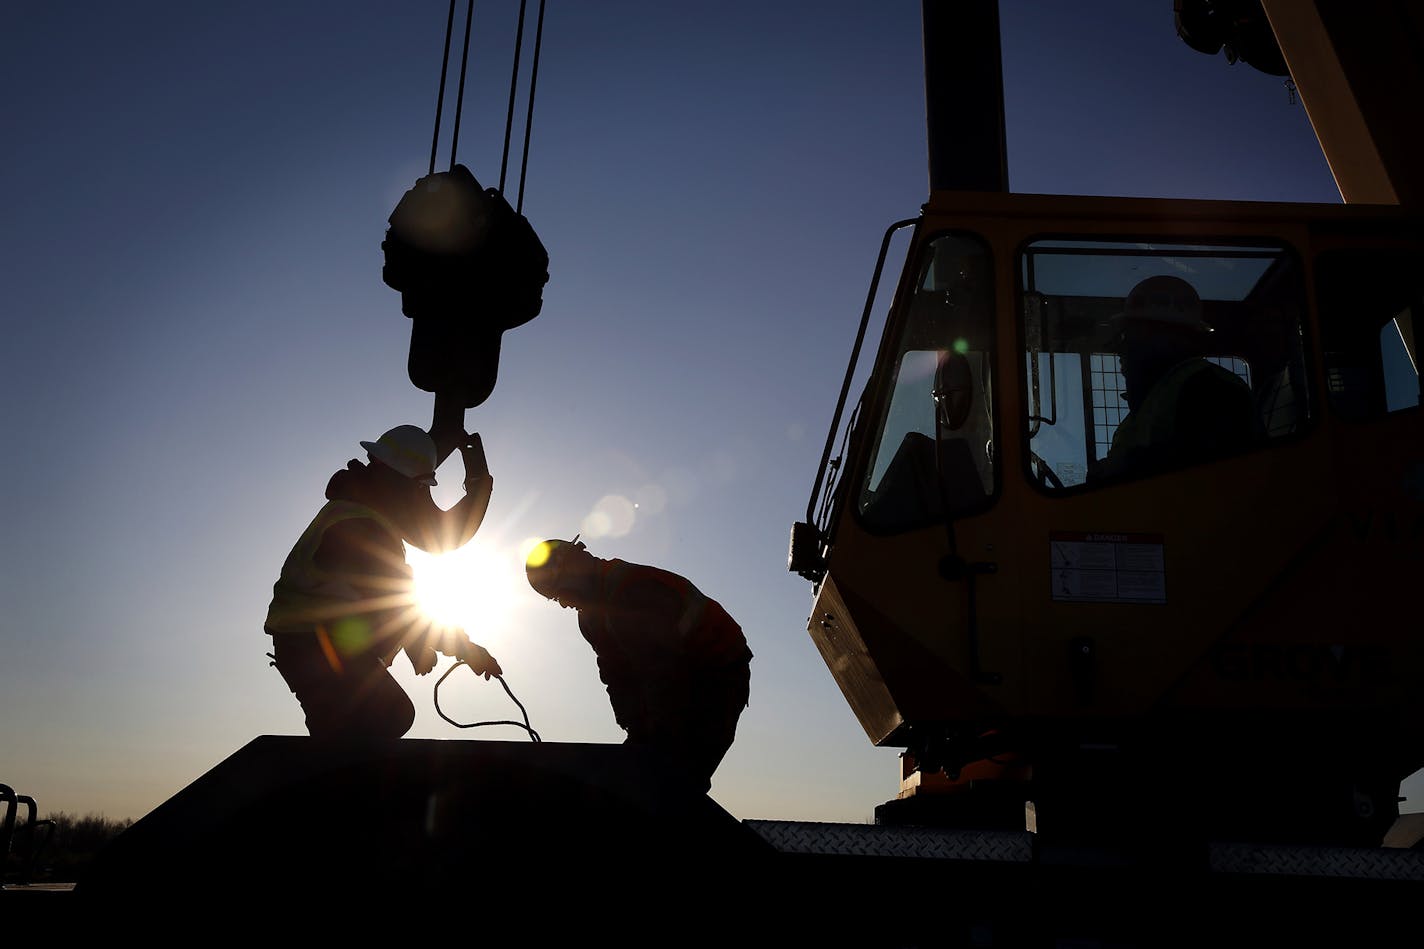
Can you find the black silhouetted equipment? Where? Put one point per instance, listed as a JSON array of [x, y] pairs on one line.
[[1238, 28], [468, 267], [507, 826], [21, 845]]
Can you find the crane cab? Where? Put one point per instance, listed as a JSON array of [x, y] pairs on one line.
[[1150, 542]]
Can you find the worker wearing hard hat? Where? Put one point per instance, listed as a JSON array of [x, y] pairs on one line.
[[676, 665], [344, 605], [1182, 408]]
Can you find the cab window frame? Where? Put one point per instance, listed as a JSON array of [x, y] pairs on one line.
[[888, 362], [1332, 404], [1308, 325]]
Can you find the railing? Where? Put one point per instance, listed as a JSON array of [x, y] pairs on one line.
[[21, 846]]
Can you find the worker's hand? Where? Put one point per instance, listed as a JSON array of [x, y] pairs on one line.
[[422, 658], [476, 466], [479, 660]]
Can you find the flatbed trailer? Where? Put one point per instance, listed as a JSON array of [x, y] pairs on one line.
[[544, 840]]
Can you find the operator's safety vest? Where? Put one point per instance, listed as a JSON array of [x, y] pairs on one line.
[[308, 599], [704, 632], [1154, 421]]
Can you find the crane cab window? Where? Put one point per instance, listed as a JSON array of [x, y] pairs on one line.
[[1142, 357], [933, 454], [1370, 312]]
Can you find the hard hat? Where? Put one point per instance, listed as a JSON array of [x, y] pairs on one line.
[[546, 563], [407, 449], [1165, 300]]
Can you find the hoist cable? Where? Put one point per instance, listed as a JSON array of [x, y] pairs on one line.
[[440, 96], [513, 87], [460, 98], [513, 93], [533, 735], [529, 118]]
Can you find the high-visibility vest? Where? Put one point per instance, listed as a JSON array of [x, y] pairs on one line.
[[1153, 423], [307, 597]]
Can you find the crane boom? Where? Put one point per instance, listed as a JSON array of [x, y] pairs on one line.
[[1359, 68]]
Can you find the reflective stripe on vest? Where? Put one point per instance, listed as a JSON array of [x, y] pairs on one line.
[[305, 595]]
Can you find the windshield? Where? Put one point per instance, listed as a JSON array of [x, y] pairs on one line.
[[934, 450]]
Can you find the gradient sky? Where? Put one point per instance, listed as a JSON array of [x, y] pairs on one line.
[[196, 332]]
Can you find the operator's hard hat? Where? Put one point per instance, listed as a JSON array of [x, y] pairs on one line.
[[546, 563], [1165, 300], [407, 449]]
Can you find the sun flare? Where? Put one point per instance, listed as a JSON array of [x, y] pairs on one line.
[[475, 587]]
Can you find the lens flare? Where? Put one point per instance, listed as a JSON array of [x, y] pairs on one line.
[[613, 516], [475, 587], [651, 498], [538, 554]]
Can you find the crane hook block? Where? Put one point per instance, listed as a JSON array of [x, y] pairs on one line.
[[467, 267]]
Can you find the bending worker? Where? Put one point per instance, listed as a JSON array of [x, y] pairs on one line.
[[677, 667], [1182, 408], [344, 604]]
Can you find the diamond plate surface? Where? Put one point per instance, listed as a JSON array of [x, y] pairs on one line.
[[1379, 863], [873, 840]]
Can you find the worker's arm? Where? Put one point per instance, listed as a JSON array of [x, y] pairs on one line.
[[424, 651], [465, 518], [436, 530], [479, 659], [451, 641]]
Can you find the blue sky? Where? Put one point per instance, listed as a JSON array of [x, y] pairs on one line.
[[197, 332]]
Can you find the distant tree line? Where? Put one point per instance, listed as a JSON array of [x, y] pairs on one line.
[[69, 848]]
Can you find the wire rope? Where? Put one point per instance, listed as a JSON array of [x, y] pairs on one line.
[[460, 97], [513, 88], [513, 93], [529, 117], [440, 96]]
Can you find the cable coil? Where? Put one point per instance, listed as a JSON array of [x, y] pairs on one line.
[[533, 735]]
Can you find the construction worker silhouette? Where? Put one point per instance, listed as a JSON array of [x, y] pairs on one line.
[[676, 665], [1182, 408], [344, 603]]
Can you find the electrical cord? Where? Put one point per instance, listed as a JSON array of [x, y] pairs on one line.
[[533, 735]]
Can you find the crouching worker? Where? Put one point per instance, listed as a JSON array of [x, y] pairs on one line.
[[344, 604], [677, 667]]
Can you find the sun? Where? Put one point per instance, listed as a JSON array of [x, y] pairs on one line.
[[475, 587]]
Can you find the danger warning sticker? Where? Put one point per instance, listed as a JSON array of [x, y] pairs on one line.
[[1107, 568]]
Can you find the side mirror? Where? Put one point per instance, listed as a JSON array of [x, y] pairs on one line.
[[805, 556], [953, 390]]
